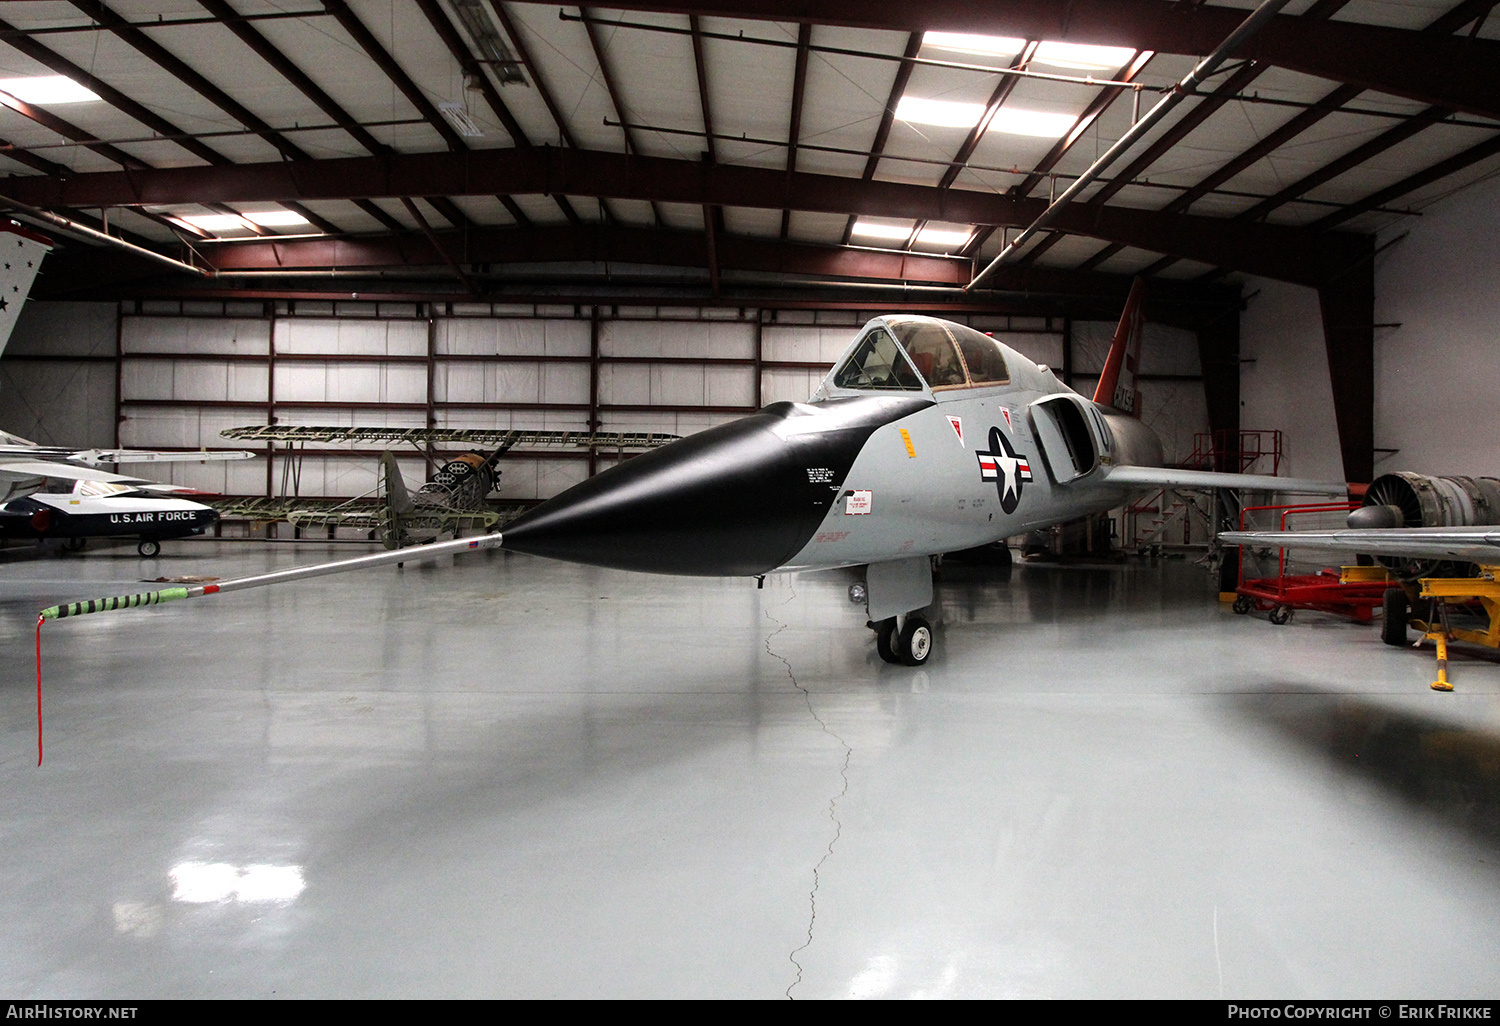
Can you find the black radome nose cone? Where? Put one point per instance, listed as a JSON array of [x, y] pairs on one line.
[[735, 500]]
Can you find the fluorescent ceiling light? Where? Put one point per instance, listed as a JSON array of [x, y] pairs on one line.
[[943, 237], [46, 89], [459, 118], [944, 113], [963, 42], [880, 231], [1082, 57], [1031, 122], [275, 218]]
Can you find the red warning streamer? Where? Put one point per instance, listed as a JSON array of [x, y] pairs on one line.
[[39, 622]]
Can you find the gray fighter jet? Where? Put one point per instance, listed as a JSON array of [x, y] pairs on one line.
[[926, 437]]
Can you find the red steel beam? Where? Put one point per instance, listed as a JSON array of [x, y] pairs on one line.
[[1096, 107], [1350, 160], [1267, 145], [664, 247], [794, 130], [60, 65], [1003, 89], [1443, 70], [597, 243], [888, 118], [288, 70], [398, 76], [597, 45], [1473, 155], [539, 83], [1360, 154], [1231, 87], [1275, 251], [700, 69], [68, 130], [474, 71], [174, 66], [267, 52], [471, 67]]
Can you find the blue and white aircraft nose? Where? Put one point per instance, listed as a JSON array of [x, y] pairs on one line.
[[736, 500]]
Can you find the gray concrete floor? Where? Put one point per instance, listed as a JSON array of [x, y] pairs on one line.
[[510, 777]]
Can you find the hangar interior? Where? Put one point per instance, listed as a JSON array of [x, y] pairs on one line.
[[522, 777]]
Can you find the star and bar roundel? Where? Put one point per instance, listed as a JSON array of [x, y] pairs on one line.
[[1001, 465]]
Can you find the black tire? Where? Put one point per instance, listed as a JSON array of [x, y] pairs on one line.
[[915, 643], [75, 544], [1243, 605], [885, 638], [1395, 609], [149, 548], [1281, 615]]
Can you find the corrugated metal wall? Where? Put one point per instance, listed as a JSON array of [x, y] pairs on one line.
[[187, 371]]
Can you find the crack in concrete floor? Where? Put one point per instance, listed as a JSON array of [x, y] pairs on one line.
[[838, 826]]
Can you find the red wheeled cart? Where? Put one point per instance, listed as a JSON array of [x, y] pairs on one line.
[[1353, 594]]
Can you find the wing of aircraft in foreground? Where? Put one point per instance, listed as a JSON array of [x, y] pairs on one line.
[[1454, 544], [1175, 477], [1410, 521]]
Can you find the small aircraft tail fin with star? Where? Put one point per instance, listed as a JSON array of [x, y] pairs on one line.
[[1117, 384], [21, 252]]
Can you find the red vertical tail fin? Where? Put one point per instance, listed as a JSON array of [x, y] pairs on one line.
[[1117, 385]]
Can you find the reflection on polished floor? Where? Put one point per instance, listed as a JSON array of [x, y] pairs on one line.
[[504, 776]]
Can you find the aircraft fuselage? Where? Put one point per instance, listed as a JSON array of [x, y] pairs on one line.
[[862, 473]]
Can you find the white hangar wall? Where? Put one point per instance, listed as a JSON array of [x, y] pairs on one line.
[[176, 374], [1437, 361], [57, 375], [1437, 375], [170, 374], [1284, 383]]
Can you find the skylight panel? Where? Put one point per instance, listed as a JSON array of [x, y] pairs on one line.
[[46, 89], [963, 42], [873, 230], [943, 237], [1082, 57], [943, 113], [275, 218], [215, 222], [1013, 121]]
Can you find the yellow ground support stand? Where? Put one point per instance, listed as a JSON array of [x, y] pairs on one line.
[[1485, 590]]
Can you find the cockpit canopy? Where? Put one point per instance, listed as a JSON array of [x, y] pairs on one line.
[[900, 353], [104, 489]]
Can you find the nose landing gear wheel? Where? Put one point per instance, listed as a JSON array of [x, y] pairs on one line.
[[915, 643], [149, 548]]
